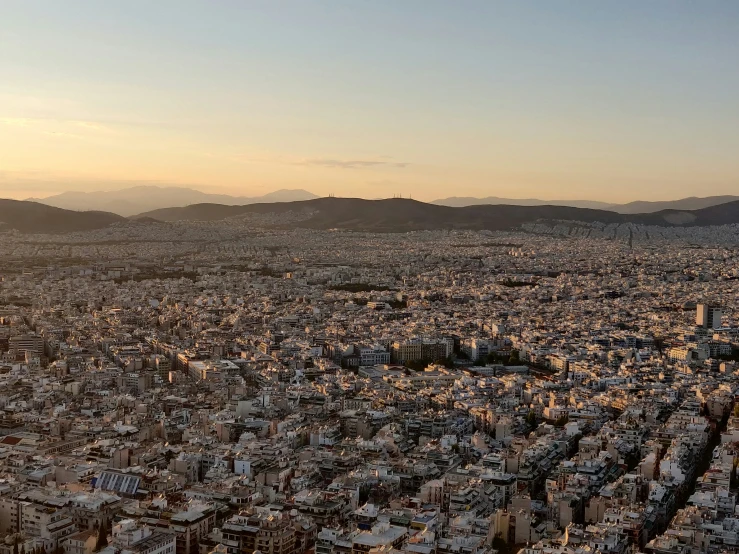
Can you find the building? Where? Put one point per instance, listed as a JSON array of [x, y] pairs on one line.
[[190, 526], [84, 542], [382, 535], [406, 351], [23, 344], [373, 355], [49, 525], [122, 482], [162, 367], [264, 531], [476, 349], [708, 317], [129, 538]]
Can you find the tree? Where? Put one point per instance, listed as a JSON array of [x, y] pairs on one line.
[[659, 344], [102, 541], [531, 419], [499, 543], [168, 455]]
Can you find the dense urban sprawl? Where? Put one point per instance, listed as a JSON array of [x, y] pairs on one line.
[[191, 388]]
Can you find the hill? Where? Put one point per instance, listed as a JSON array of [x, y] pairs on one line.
[[636, 207], [400, 215], [134, 200], [721, 214], [464, 201], [32, 217], [691, 203], [389, 215]]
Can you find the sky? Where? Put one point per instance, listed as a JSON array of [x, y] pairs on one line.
[[608, 100]]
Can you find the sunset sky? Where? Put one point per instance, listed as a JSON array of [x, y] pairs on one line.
[[604, 100]]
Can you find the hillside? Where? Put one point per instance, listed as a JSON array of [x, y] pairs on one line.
[[464, 201], [399, 215], [636, 207], [390, 215], [721, 214], [32, 217], [691, 203]]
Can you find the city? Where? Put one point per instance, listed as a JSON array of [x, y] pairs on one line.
[[369, 277], [228, 387]]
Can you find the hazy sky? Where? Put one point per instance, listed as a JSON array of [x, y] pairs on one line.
[[611, 100]]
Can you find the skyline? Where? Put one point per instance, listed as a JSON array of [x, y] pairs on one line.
[[122, 186], [609, 102]]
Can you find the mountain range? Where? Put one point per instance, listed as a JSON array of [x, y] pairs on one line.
[[135, 200], [637, 207], [140, 199], [465, 201], [401, 215], [691, 203], [389, 215]]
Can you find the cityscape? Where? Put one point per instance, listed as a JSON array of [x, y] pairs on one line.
[[230, 387], [385, 277]]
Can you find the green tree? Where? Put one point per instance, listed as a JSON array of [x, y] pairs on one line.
[[168, 455], [102, 541]]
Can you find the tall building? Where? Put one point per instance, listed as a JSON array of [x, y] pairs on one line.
[[708, 317], [162, 366]]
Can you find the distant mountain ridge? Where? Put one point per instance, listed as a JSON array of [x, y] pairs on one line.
[[146, 198], [387, 215], [636, 207], [382, 216], [464, 201], [135, 200], [401, 215], [690, 203]]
